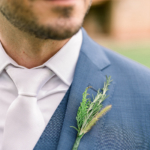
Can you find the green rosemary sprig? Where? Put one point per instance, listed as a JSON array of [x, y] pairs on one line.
[[90, 112]]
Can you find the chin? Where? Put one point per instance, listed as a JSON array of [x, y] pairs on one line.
[[57, 33], [61, 30]]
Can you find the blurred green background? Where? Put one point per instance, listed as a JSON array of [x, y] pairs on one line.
[[122, 26]]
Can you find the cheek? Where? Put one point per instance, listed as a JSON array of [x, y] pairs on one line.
[[15, 5], [83, 5]]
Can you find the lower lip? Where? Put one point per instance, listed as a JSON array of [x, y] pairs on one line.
[[62, 2]]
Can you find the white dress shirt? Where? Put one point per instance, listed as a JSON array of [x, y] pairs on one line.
[[63, 65]]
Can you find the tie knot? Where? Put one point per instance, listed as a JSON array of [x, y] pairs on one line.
[[29, 81]]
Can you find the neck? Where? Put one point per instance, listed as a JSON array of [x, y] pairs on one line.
[[27, 50]]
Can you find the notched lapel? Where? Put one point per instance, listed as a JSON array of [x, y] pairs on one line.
[[88, 72]]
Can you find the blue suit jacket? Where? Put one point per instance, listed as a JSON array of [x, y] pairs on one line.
[[127, 125]]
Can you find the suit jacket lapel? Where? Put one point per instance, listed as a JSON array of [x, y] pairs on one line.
[[91, 62]]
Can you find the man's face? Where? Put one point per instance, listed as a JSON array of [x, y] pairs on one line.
[[46, 19]]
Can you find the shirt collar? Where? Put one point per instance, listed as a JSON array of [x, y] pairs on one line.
[[63, 63]]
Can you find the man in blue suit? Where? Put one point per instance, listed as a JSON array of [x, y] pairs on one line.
[[34, 31]]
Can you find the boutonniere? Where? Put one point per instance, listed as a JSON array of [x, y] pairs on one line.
[[90, 112]]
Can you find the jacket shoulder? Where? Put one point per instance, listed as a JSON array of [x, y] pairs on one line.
[[125, 65], [130, 76]]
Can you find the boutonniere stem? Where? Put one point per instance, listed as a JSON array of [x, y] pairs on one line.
[[90, 112]]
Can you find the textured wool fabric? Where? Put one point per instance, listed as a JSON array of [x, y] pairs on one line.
[[127, 125]]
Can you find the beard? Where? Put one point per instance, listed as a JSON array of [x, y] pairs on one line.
[[24, 19]]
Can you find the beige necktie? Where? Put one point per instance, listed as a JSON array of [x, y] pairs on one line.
[[24, 120]]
